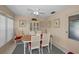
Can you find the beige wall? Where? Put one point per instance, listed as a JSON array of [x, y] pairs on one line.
[[45, 25], [4, 10], [60, 34], [26, 28]]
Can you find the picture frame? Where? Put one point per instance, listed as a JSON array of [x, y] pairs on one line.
[[56, 23], [22, 23]]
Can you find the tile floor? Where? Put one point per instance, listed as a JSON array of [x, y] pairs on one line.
[[19, 50]]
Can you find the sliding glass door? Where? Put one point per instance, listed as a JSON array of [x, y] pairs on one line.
[[9, 29], [2, 30], [6, 29]]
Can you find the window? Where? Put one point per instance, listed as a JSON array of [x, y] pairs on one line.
[[74, 27]]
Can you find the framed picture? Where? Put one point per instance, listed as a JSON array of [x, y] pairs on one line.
[[22, 23], [56, 23]]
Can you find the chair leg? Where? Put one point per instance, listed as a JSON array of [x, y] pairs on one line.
[[24, 47], [42, 50], [51, 46], [29, 47], [30, 51], [48, 49], [39, 50]]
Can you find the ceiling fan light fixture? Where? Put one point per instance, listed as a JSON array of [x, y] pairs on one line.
[[36, 13]]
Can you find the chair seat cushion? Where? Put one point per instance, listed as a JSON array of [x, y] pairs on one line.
[[18, 37]]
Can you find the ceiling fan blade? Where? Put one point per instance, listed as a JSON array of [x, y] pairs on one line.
[[30, 10], [42, 12]]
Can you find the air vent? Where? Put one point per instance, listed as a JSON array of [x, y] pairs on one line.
[[52, 12]]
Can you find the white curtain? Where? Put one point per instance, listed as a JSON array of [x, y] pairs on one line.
[[2, 30], [9, 29]]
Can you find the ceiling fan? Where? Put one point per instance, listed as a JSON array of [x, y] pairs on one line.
[[35, 11]]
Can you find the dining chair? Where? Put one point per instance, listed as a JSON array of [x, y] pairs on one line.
[[18, 39], [51, 41], [35, 43], [45, 41]]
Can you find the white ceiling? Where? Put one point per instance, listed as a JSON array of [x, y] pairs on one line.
[[22, 10]]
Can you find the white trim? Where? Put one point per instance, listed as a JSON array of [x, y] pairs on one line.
[[62, 48]]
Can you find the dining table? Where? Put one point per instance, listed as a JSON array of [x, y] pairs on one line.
[[26, 39]]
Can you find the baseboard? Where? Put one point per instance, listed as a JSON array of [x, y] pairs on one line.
[[60, 47]]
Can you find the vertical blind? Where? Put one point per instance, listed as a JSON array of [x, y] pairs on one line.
[[6, 29]]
